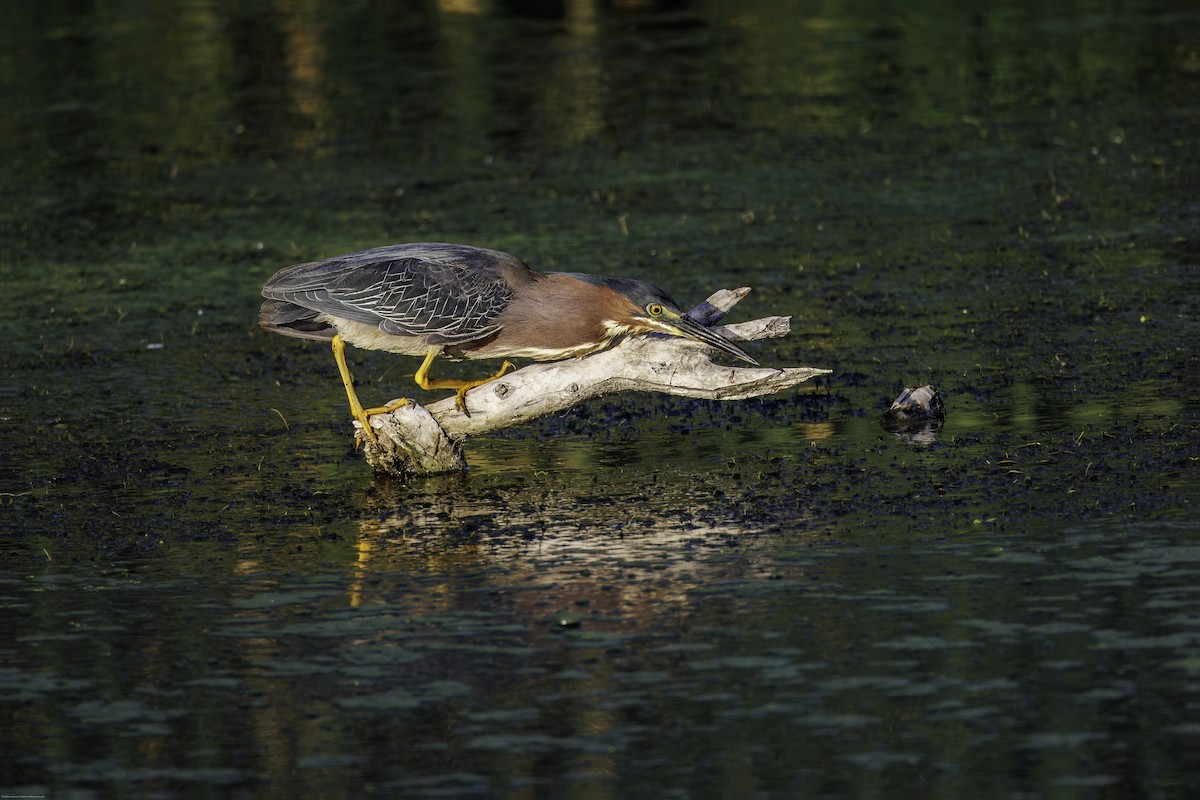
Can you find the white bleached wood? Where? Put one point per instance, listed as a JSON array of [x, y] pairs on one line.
[[426, 440]]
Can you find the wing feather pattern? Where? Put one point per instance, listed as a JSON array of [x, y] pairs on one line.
[[449, 294]]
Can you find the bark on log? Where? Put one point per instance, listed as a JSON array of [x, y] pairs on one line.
[[427, 440]]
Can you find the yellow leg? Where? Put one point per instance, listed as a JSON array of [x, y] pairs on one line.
[[460, 399], [356, 409]]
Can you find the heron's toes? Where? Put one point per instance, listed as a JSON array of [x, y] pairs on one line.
[[367, 431], [460, 398], [365, 419]]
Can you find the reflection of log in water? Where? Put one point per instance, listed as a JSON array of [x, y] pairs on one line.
[[557, 563], [428, 440], [536, 619]]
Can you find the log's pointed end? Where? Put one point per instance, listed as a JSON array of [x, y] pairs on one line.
[[716, 382]]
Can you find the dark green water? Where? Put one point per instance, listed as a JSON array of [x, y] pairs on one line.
[[207, 592]]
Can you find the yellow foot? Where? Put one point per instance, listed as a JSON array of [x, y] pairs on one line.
[[460, 397], [363, 415]]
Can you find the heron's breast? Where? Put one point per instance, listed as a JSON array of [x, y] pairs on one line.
[[557, 317], [369, 337]]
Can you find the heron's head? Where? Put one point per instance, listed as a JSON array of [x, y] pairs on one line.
[[640, 307]]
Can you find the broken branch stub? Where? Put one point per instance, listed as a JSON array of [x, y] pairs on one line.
[[426, 440]]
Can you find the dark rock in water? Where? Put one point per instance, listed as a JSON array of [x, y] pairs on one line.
[[916, 405]]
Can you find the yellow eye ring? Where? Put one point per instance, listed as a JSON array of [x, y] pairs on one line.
[[654, 309]]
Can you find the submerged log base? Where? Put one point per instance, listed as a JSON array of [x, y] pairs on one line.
[[427, 440]]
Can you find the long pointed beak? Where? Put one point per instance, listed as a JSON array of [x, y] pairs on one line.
[[687, 327]]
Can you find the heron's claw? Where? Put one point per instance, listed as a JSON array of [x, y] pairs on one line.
[[460, 398], [364, 417]]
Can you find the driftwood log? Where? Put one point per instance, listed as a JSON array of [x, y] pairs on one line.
[[427, 440]]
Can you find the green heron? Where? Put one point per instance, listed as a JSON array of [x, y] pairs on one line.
[[463, 302]]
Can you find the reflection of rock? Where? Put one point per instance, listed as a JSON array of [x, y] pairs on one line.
[[920, 434], [916, 415]]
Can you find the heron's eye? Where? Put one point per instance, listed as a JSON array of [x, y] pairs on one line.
[[654, 310]]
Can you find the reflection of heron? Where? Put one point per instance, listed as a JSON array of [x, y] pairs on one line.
[[464, 302]]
